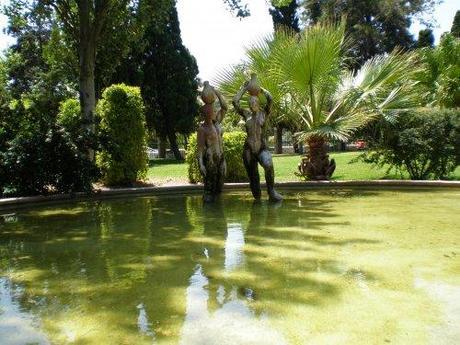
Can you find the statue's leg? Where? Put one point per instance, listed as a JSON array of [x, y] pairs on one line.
[[209, 181], [251, 165], [265, 159], [208, 195], [221, 175]]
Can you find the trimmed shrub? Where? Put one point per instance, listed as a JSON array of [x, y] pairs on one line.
[[233, 150], [123, 156], [424, 143]]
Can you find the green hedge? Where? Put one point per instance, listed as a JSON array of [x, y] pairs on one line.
[[233, 150], [123, 156]]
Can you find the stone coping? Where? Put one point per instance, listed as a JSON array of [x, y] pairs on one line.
[[20, 202]]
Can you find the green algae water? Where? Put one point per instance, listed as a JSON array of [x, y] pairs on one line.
[[346, 266]]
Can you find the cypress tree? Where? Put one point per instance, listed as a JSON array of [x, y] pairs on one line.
[[456, 25], [425, 38]]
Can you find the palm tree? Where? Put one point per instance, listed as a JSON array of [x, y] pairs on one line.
[[315, 91]]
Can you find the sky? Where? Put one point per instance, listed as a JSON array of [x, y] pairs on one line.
[[217, 39]]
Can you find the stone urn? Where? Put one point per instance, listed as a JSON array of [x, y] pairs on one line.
[[208, 95], [253, 86]]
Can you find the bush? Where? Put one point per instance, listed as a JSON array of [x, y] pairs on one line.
[[42, 158], [423, 142], [69, 116], [123, 156], [233, 150]]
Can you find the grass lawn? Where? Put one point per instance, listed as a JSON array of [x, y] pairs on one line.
[[171, 172]]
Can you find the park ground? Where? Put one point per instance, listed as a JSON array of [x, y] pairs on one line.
[[171, 172]]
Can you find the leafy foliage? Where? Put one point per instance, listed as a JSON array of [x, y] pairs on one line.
[[375, 27], [123, 158], [285, 14], [312, 88], [37, 154], [423, 142], [455, 30], [69, 116], [41, 157], [233, 148], [167, 74], [440, 79], [425, 38]]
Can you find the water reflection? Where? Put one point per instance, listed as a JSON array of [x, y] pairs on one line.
[[17, 326], [233, 322], [219, 312], [234, 246], [168, 270], [143, 323], [448, 296]]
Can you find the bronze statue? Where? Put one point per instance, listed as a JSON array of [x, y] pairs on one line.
[[255, 148], [211, 158]]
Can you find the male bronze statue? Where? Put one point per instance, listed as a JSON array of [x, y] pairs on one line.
[[255, 148], [211, 158]]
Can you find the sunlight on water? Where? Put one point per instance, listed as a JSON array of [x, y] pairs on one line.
[[234, 246], [347, 266], [16, 326]]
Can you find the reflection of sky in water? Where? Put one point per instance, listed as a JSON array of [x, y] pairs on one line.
[[20, 325], [143, 324], [233, 322], [234, 245], [449, 297]]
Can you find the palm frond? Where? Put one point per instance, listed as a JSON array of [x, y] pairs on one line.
[[311, 88]]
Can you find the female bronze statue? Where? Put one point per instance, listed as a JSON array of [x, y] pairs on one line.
[[211, 158], [255, 148]]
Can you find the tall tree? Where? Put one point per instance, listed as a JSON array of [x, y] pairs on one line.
[[30, 25], [29, 69], [425, 38], [375, 27], [455, 31], [85, 22], [440, 78], [284, 16], [169, 80], [92, 27]]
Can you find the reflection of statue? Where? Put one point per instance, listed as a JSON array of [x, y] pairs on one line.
[[210, 143], [255, 148]]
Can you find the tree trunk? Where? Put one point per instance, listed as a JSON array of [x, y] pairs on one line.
[[278, 139], [174, 147], [87, 57], [161, 146], [186, 142], [296, 148], [316, 165]]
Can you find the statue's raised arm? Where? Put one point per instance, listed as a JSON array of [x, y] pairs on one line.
[[269, 97], [223, 107], [237, 99]]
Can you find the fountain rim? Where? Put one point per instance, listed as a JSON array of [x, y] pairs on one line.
[[31, 201]]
